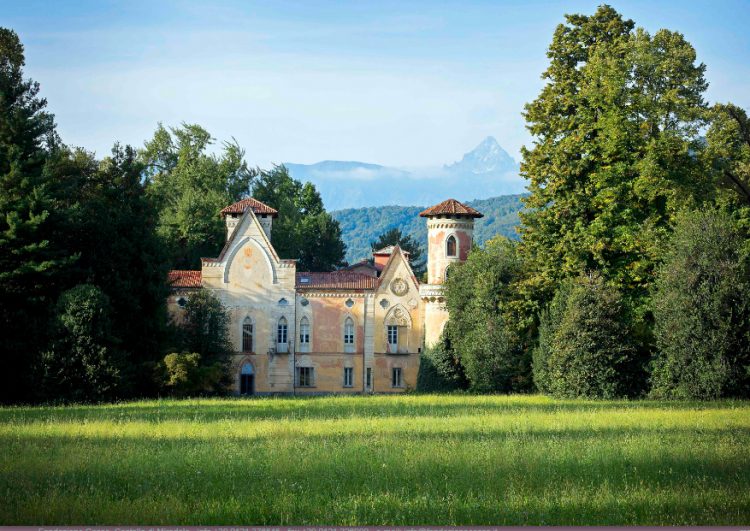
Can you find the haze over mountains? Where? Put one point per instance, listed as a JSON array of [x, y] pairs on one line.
[[486, 171]]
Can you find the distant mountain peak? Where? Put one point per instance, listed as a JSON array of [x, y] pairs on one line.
[[487, 157]]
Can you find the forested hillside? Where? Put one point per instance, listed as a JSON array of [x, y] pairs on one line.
[[360, 226]]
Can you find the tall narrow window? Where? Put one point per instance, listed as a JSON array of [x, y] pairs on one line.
[[396, 380], [368, 378], [247, 335], [392, 338], [348, 335], [281, 335], [348, 377], [304, 335], [305, 377], [450, 246]]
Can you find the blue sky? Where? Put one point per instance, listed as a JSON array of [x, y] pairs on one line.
[[397, 83]]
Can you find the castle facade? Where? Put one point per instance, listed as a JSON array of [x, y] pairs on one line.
[[356, 330]]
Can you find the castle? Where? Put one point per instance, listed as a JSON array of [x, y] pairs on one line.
[[356, 330]]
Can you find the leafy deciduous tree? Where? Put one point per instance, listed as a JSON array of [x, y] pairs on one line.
[[481, 330], [190, 187], [616, 154]]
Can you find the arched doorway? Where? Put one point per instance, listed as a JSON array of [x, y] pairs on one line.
[[247, 380]]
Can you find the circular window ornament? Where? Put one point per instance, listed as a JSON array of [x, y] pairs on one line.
[[349, 303], [399, 287], [304, 301], [384, 303]]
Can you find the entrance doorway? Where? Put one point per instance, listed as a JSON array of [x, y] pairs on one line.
[[247, 380]]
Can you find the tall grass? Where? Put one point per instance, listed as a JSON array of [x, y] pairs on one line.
[[380, 460]]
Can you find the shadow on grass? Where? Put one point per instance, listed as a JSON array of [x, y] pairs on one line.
[[480, 483]]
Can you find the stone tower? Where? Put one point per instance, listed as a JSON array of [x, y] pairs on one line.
[[450, 233], [263, 212]]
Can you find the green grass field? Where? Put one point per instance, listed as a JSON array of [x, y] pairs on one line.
[[377, 460]]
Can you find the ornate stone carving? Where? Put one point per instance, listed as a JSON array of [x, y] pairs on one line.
[[398, 317], [399, 287]]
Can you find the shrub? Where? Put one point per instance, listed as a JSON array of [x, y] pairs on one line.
[[702, 311], [440, 370], [185, 375], [549, 321], [591, 351], [205, 331], [482, 330], [82, 364]]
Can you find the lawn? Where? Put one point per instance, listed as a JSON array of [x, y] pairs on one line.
[[378, 460]]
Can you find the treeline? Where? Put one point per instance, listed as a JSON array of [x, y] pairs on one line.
[[86, 244], [360, 226], [632, 273]]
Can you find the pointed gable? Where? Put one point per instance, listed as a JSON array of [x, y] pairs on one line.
[[397, 260]]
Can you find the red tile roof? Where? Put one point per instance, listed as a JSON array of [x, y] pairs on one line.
[[240, 206], [184, 279], [336, 280], [389, 250], [451, 207]]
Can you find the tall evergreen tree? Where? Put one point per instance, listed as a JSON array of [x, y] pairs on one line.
[[190, 187], [111, 225], [702, 311], [30, 257], [83, 362], [615, 154], [303, 230]]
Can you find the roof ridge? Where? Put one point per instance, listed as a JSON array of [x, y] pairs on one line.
[[240, 206], [451, 206]]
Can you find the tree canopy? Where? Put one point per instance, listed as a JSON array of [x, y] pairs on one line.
[[31, 258], [190, 186], [616, 136]]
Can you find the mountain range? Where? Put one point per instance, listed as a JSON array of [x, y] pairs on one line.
[[486, 171], [362, 226]]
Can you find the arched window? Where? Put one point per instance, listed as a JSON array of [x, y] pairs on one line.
[[282, 331], [304, 335], [348, 335], [247, 379], [450, 246], [247, 335]]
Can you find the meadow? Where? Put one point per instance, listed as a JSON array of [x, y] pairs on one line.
[[377, 460]]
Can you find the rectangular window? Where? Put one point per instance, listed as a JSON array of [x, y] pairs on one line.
[[392, 338], [304, 337], [282, 333], [368, 377], [247, 337], [396, 377], [349, 336], [305, 376], [348, 376]]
